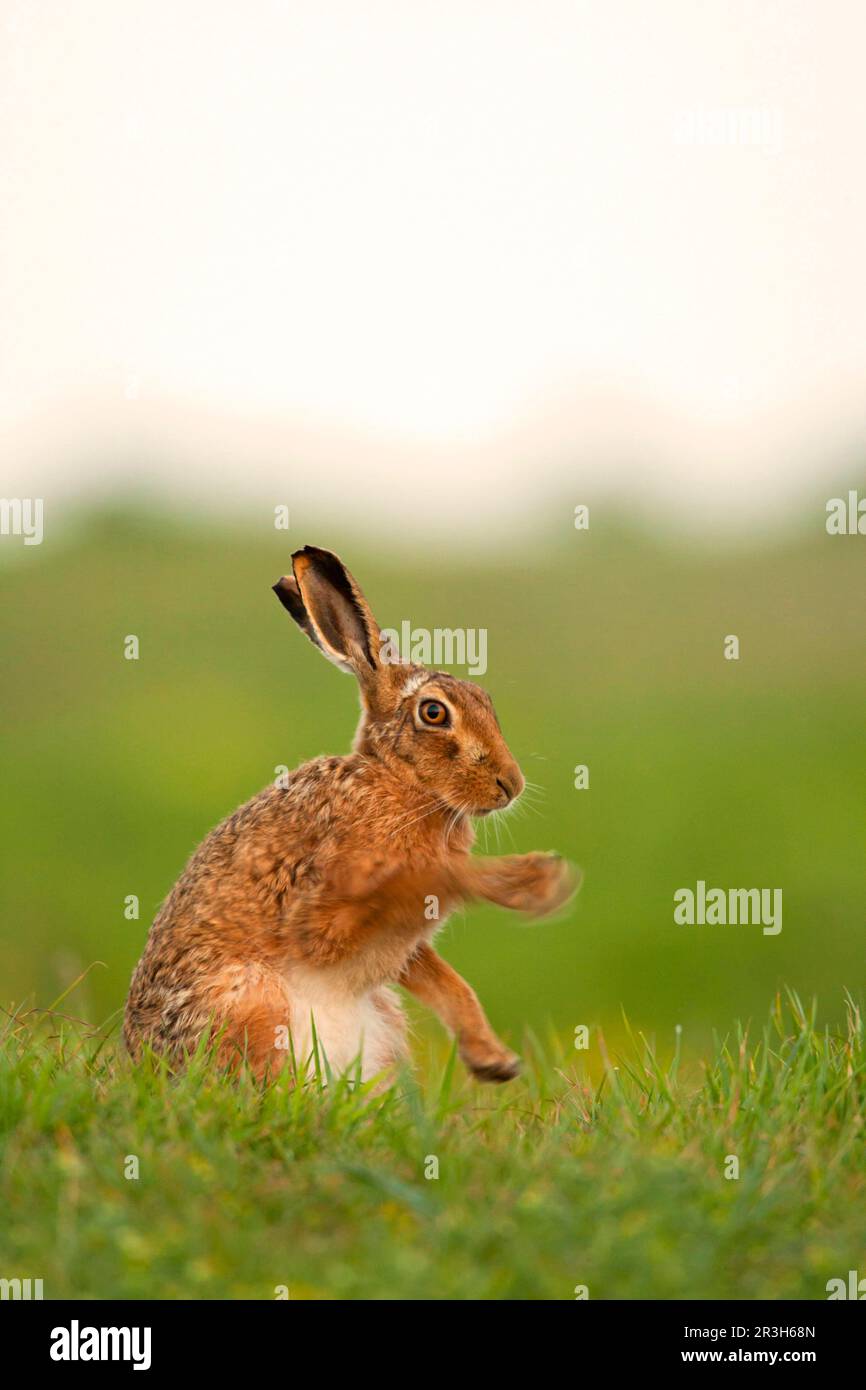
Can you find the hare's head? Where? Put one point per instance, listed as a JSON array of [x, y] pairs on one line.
[[434, 729]]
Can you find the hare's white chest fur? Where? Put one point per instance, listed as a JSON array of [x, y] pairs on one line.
[[347, 1025]]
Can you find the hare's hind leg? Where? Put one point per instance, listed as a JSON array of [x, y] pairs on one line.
[[252, 1021]]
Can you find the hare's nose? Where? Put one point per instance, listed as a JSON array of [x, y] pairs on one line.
[[510, 785]]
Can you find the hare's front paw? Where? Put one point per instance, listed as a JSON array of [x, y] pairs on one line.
[[535, 883], [490, 1061]]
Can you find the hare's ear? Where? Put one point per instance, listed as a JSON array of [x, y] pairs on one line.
[[325, 601]]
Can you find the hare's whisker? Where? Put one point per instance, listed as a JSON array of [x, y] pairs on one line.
[[452, 823], [404, 822]]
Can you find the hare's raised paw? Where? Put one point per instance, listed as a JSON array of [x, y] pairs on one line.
[[492, 1065], [536, 883]]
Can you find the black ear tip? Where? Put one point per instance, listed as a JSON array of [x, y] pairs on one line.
[[288, 595], [316, 553]]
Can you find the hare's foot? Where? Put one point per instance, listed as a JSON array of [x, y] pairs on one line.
[[536, 883], [489, 1060], [437, 984]]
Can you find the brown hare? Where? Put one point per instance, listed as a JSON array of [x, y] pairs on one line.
[[304, 907]]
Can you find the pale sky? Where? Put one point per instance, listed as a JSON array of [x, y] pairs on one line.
[[507, 246]]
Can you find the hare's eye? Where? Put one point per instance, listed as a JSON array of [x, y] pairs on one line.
[[433, 712]]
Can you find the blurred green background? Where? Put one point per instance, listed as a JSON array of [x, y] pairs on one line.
[[605, 648]]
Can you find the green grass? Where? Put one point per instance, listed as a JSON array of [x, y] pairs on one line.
[[594, 1169]]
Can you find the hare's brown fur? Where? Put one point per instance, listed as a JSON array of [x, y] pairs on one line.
[[308, 903]]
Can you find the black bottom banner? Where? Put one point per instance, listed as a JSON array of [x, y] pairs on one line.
[[150, 1338]]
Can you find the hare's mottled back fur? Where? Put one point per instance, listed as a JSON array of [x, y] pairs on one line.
[[313, 899]]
